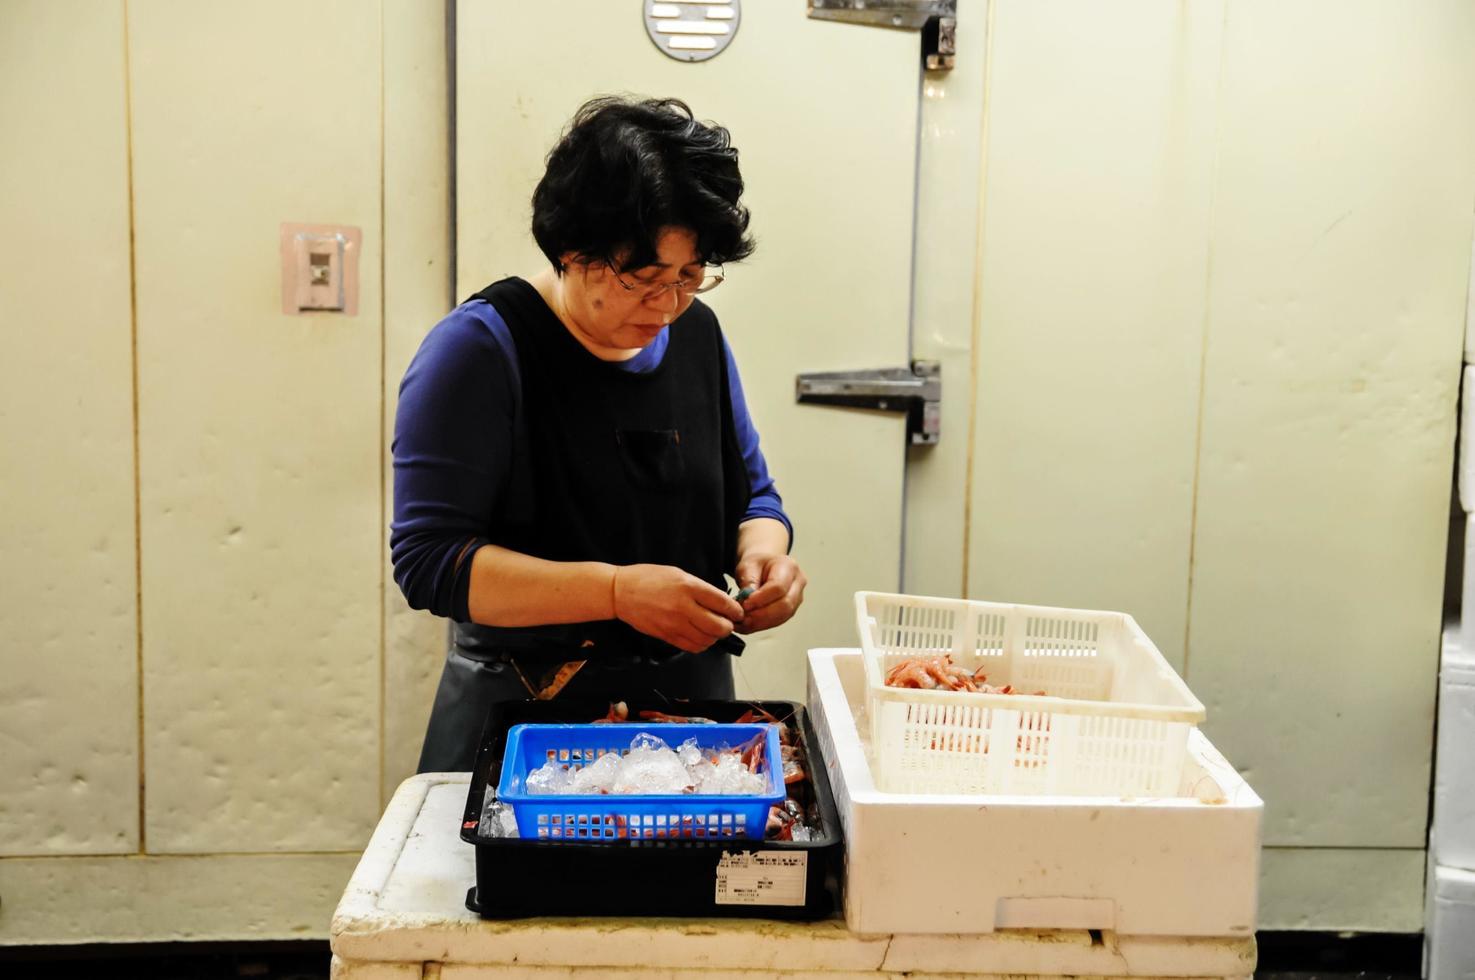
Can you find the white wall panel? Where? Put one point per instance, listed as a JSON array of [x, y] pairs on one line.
[[68, 582], [417, 292], [259, 432], [1341, 236], [1094, 258], [1331, 888]]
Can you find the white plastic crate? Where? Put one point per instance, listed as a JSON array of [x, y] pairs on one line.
[[1114, 718], [1183, 864]]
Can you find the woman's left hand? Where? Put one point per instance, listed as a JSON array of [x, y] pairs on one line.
[[778, 585]]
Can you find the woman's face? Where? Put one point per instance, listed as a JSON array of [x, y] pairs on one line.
[[615, 314]]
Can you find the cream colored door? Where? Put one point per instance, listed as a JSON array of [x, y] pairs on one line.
[[1221, 289], [825, 118]]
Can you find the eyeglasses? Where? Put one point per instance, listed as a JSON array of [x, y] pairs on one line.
[[711, 279]]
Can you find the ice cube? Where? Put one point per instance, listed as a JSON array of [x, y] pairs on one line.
[[498, 820], [729, 777], [549, 778], [491, 813], [689, 753], [699, 772], [651, 771], [645, 740], [597, 777]]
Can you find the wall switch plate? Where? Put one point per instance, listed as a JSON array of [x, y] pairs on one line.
[[320, 268]]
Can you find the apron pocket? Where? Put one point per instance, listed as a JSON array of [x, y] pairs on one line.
[[652, 457]]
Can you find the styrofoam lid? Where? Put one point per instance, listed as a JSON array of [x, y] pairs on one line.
[[1457, 659], [1454, 884]]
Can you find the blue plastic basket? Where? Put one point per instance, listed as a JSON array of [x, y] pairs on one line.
[[631, 817]]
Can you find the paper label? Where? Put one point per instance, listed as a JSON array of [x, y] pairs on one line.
[[762, 877]]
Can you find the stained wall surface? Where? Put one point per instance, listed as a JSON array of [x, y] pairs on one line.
[[258, 431], [68, 584], [210, 684], [1335, 332]]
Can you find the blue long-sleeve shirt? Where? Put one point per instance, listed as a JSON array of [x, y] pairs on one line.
[[454, 439]]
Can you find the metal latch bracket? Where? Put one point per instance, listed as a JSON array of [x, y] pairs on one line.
[[917, 391], [936, 19]]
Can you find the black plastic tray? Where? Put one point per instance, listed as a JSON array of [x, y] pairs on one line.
[[517, 878]]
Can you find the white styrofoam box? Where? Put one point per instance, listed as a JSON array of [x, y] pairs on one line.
[[1465, 465], [1185, 865], [1466, 633], [1452, 837], [1449, 924], [1097, 709]]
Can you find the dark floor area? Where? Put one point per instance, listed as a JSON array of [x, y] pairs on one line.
[[1283, 956], [1309, 955], [304, 960]]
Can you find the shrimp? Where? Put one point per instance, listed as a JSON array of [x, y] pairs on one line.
[[911, 673], [782, 819], [661, 716], [618, 712], [940, 673], [751, 754], [948, 674], [793, 772], [755, 713]]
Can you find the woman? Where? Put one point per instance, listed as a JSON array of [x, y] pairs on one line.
[[575, 468]]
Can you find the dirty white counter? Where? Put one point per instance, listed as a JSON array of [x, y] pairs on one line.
[[404, 916]]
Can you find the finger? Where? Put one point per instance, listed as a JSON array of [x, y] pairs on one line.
[[689, 641], [749, 573], [795, 598], [796, 590], [764, 619], [780, 581], [715, 600], [700, 628], [776, 613], [711, 625], [780, 571]]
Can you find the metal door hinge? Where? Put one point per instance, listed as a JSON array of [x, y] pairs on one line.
[[937, 20], [917, 391]]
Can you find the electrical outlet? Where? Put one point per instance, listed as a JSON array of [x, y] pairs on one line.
[[320, 268]]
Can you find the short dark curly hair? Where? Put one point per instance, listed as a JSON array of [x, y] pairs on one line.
[[625, 169]]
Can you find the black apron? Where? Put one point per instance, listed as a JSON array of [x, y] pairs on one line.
[[611, 466]]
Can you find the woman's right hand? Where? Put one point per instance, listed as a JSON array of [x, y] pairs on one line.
[[672, 605]]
